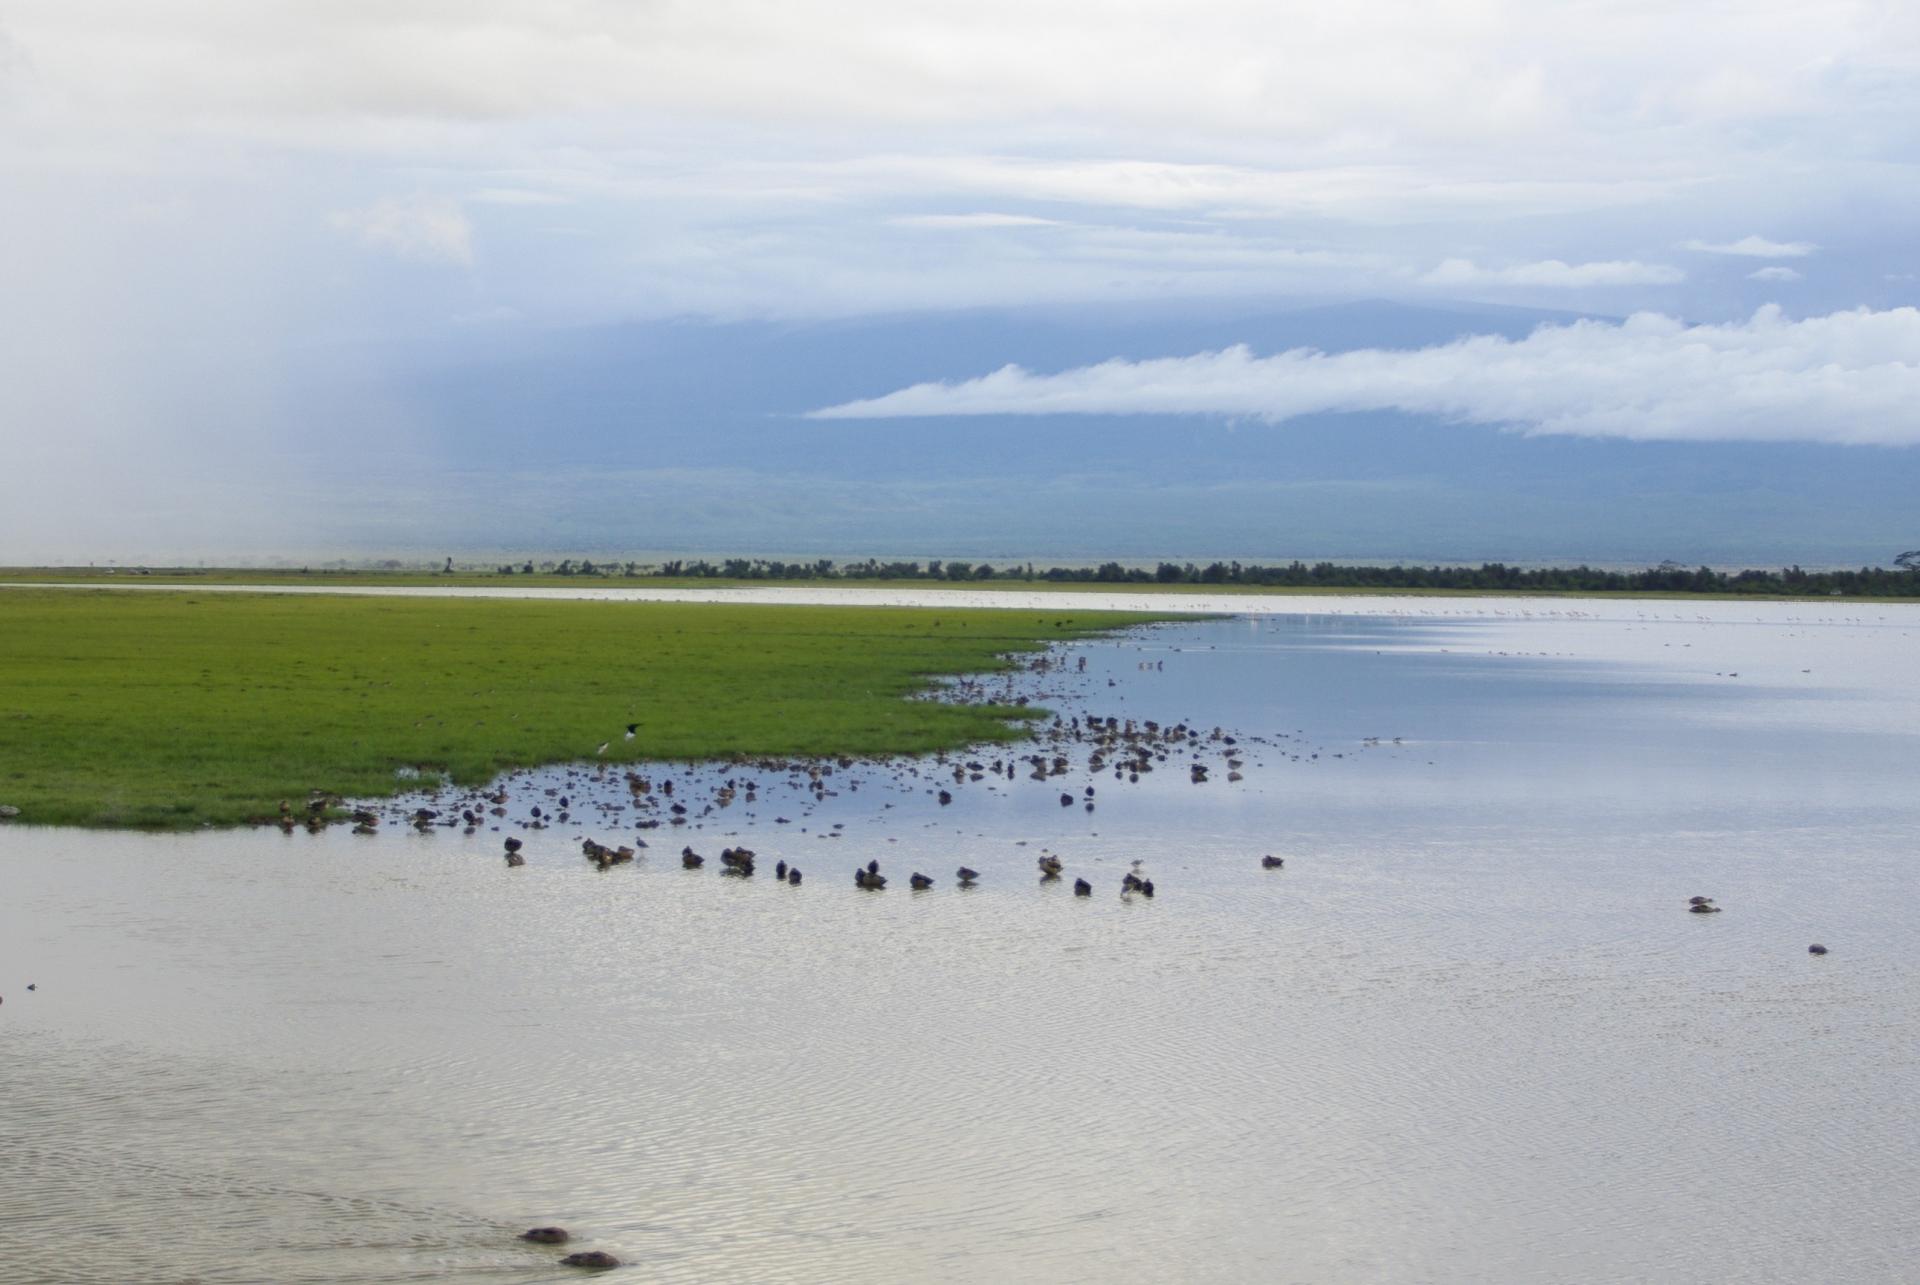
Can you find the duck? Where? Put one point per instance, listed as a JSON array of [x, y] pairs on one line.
[[793, 876], [1081, 888], [780, 870], [919, 882], [691, 860], [1050, 867], [966, 875], [1272, 863]]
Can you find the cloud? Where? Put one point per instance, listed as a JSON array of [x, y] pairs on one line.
[[422, 228], [1554, 274], [1773, 274], [1754, 247], [985, 219], [1379, 130], [1171, 186], [1239, 62], [517, 196], [499, 314], [1849, 377]]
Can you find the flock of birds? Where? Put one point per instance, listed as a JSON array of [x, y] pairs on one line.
[[740, 863], [1088, 744]]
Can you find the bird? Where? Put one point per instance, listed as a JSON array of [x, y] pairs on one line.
[[547, 1235], [1272, 863], [513, 844], [966, 875], [603, 747], [1815, 949], [1081, 888], [779, 870], [873, 867], [633, 730], [793, 876], [515, 859], [920, 882]]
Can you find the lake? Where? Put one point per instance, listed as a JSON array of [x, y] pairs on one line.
[[1469, 1032]]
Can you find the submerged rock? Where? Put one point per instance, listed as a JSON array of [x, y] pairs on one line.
[[596, 1259], [547, 1235]]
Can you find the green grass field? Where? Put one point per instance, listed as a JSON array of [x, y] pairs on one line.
[[172, 710]]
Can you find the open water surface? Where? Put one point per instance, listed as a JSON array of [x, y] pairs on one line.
[[1469, 1033]]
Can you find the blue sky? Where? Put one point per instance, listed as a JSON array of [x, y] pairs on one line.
[[1385, 279]]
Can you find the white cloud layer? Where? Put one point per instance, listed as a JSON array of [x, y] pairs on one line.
[[982, 219], [422, 228], [1554, 274], [1754, 247], [1775, 273], [1850, 377], [733, 157]]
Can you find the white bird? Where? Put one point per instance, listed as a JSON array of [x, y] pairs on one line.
[[603, 747]]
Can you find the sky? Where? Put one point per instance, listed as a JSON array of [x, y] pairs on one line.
[[1524, 280]]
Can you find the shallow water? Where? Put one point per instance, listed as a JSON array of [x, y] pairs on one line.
[[1468, 1033]]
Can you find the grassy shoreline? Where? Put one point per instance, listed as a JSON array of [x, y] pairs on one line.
[[166, 711], [279, 577]]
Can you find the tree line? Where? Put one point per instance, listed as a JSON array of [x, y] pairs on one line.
[[1902, 579]]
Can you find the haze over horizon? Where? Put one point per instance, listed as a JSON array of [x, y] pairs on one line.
[[1442, 282]]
